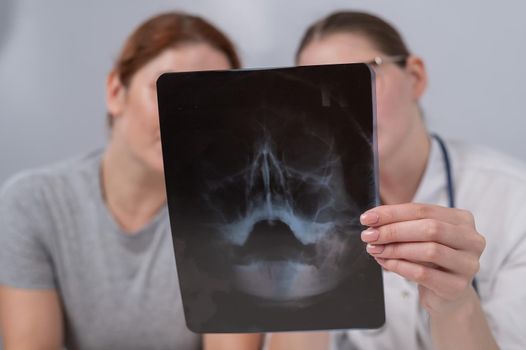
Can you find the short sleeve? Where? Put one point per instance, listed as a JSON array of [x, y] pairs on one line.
[[25, 261]]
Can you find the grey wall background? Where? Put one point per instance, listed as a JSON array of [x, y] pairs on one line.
[[55, 54]]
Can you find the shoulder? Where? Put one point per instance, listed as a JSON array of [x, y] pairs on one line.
[[33, 186], [34, 206], [479, 162], [492, 185]]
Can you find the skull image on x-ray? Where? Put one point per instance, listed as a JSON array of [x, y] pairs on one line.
[[267, 173], [290, 224]]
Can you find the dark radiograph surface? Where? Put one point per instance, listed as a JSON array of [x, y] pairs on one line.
[[267, 172]]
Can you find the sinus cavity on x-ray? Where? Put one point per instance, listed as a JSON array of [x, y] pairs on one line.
[[267, 173]]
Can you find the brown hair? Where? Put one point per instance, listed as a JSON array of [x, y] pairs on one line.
[[164, 31], [382, 34]]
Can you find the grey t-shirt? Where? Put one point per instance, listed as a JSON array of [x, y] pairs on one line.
[[119, 291]]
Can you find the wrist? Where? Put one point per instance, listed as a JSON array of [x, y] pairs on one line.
[[462, 309], [461, 324]]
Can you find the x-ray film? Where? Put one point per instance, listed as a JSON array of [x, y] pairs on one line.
[[267, 172]]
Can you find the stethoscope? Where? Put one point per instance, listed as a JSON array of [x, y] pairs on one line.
[[449, 182], [447, 168]]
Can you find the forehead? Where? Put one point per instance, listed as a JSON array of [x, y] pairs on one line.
[[186, 58], [338, 48]]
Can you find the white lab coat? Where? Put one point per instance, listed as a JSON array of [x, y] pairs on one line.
[[493, 187]]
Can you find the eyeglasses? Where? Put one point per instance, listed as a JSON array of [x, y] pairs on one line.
[[378, 61]]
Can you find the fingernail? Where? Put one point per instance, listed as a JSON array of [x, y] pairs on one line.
[[369, 218], [370, 235], [375, 249]]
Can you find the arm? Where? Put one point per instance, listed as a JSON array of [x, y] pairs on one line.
[[439, 249], [30, 319], [232, 341], [465, 327], [30, 311]]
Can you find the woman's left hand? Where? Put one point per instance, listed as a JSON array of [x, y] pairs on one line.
[[437, 247]]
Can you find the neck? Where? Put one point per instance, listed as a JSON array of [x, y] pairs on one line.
[[402, 171], [133, 193]]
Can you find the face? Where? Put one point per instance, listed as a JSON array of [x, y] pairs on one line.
[[134, 108], [397, 89]]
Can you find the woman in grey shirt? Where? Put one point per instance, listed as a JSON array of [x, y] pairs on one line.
[[86, 255]]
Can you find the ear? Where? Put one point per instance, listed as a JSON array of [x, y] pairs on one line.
[[415, 67], [115, 95]]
